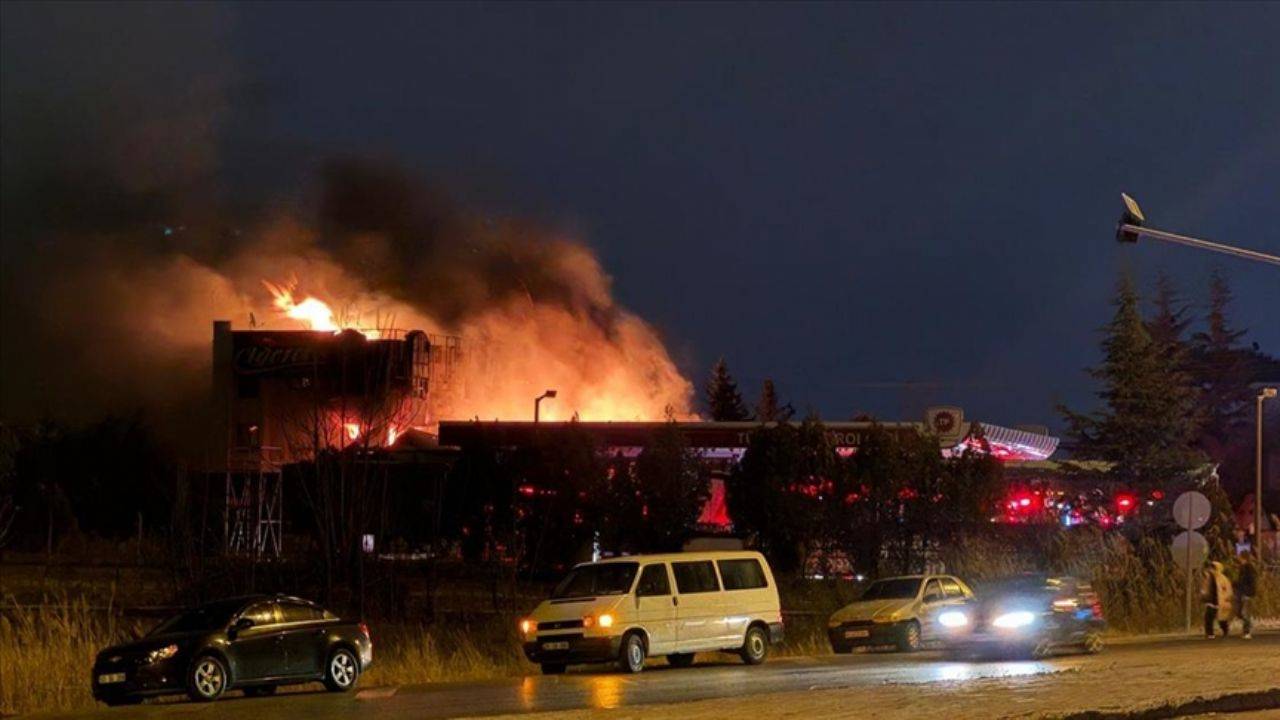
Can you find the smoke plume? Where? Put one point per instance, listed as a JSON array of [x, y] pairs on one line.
[[122, 241]]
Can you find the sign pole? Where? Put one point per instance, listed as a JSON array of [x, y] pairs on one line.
[[1188, 585]]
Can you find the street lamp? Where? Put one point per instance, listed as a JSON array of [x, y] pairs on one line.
[[1132, 225], [538, 401], [1263, 394]]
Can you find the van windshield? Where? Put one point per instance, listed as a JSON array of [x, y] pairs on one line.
[[591, 580], [895, 589]]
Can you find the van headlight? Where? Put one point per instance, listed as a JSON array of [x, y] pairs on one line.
[[953, 619], [603, 620], [1012, 620]]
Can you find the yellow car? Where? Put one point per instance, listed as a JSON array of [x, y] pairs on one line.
[[898, 611]]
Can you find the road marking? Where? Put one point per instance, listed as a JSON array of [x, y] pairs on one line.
[[376, 693]]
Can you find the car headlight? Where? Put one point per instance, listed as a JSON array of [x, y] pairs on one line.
[[527, 626], [953, 619], [1010, 620], [163, 653]]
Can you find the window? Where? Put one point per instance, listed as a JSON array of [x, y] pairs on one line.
[[952, 587], [695, 577], [601, 579], [933, 591], [742, 574], [263, 614], [653, 581], [300, 612]]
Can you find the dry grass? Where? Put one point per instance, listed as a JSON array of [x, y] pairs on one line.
[[47, 651], [410, 655]]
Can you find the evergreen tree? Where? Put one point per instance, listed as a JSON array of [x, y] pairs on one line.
[[768, 409], [723, 399], [1222, 370], [653, 505], [1168, 326], [1149, 421]]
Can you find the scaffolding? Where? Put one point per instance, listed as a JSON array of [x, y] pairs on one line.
[[253, 524]]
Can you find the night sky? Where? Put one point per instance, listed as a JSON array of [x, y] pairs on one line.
[[841, 197]]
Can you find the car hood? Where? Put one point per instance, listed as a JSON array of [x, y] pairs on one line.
[[149, 643], [878, 610]]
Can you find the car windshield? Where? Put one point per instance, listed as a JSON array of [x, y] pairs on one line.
[[601, 579], [894, 589], [205, 618]]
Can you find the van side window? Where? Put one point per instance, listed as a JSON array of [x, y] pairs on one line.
[[695, 577], [742, 574], [653, 581]]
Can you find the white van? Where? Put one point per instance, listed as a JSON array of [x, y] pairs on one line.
[[628, 608]]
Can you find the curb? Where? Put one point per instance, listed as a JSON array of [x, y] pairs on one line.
[[1231, 703]]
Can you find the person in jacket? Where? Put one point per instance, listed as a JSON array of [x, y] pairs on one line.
[[1219, 602], [1246, 589]]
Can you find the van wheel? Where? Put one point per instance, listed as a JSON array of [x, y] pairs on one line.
[[631, 654], [909, 637], [680, 660], [553, 668], [755, 648]]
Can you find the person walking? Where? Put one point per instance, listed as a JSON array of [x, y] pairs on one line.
[[1215, 591], [1246, 589]]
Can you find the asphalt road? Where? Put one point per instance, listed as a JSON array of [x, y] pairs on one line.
[[588, 687]]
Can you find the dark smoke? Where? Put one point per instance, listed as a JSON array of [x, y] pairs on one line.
[[119, 244]]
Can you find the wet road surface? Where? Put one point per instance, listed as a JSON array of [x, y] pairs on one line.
[[598, 687]]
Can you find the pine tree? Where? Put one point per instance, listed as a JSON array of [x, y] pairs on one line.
[[1221, 368], [1149, 421], [723, 399], [768, 409], [1168, 326]]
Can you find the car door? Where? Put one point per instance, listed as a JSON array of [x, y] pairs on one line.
[[305, 641], [932, 603], [656, 608], [258, 651], [699, 620]]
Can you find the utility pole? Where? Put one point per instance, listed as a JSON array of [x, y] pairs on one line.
[[1263, 394]]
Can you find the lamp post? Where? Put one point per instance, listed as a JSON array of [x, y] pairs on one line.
[[1132, 225], [538, 401], [1263, 394]]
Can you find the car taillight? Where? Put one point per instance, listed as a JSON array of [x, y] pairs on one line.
[[364, 630]]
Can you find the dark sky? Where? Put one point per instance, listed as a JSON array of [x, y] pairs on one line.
[[837, 196]]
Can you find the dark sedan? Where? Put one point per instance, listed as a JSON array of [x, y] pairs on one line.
[[1027, 616], [253, 644]]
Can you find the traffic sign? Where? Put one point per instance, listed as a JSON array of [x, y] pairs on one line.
[[1192, 510], [1190, 549]]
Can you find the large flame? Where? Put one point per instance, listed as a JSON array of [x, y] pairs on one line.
[[312, 311]]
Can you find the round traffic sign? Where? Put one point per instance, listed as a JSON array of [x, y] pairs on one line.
[[1189, 546], [1192, 510]]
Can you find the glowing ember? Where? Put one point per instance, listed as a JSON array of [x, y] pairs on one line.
[[392, 434]]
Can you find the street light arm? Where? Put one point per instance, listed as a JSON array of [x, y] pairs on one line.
[[1254, 255]]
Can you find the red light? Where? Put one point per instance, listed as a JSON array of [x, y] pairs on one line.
[[1157, 494], [1125, 502], [1024, 502]]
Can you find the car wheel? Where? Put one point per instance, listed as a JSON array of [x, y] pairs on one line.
[[207, 679], [680, 660], [342, 671], [1093, 643], [553, 668], [631, 654], [1041, 650], [909, 637], [260, 691], [755, 648]]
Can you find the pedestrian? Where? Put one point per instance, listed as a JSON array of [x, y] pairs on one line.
[[1246, 590], [1215, 591]]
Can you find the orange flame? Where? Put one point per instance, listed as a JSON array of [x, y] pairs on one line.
[[353, 430], [313, 311]]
